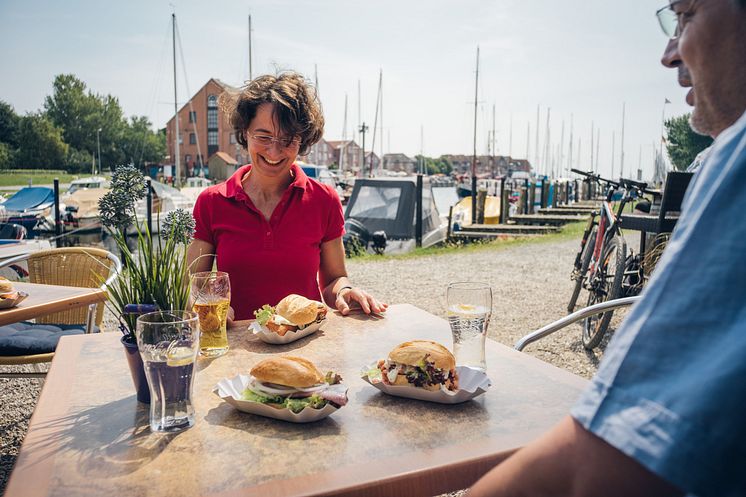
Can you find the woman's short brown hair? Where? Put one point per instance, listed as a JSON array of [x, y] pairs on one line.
[[295, 102]]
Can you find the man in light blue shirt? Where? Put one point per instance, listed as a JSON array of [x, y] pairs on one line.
[[666, 412]]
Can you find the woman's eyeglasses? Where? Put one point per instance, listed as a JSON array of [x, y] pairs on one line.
[[267, 141]]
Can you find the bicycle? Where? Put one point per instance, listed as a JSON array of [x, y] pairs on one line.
[[602, 265]]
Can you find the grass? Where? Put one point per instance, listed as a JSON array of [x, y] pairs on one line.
[[567, 232], [21, 178]]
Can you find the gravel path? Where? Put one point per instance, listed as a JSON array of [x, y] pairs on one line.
[[531, 287]]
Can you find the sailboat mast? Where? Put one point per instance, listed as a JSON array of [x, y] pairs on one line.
[[474, 156], [251, 68], [621, 144], [493, 135], [176, 105]]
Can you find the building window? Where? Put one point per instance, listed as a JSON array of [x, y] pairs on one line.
[[212, 118], [193, 116], [232, 138], [187, 159], [212, 137], [192, 139], [212, 102]]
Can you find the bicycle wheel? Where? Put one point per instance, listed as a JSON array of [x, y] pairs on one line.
[[606, 284], [580, 276]]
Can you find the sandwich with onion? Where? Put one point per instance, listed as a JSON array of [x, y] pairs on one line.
[[6, 289], [294, 383], [419, 363], [293, 313]]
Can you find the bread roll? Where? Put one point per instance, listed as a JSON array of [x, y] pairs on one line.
[[287, 370], [298, 309], [411, 353]]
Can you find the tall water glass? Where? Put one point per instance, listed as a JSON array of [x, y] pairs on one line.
[[469, 308], [169, 343], [211, 294]]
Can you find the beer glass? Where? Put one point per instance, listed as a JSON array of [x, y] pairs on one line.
[[168, 342], [211, 294], [469, 306]]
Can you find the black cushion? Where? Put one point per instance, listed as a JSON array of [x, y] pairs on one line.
[[29, 338]]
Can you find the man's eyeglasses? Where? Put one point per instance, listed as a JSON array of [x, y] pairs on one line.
[[670, 20], [267, 141]]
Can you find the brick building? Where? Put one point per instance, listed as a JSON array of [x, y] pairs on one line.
[[203, 130], [399, 162]]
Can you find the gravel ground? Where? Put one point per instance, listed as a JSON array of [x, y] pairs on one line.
[[531, 287]]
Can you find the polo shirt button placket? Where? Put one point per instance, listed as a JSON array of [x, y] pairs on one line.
[[268, 240]]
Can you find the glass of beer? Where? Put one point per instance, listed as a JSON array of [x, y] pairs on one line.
[[211, 294], [469, 308]]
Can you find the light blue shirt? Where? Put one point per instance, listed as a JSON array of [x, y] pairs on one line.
[[671, 390]]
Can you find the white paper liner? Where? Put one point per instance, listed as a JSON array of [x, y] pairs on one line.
[[471, 382], [8, 303], [267, 336], [231, 391]]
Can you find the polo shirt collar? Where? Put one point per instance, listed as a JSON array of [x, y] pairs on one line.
[[232, 188]]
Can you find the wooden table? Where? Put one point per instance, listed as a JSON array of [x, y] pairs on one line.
[[89, 436], [46, 299]]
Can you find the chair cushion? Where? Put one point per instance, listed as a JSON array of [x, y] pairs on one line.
[[29, 338]]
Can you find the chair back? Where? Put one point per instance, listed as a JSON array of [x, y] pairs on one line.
[[673, 194], [75, 266]]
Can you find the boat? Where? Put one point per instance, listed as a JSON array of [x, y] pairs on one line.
[[380, 216], [81, 209], [462, 211], [88, 183], [29, 206], [194, 186], [165, 199]]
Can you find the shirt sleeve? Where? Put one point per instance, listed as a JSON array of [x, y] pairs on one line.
[[202, 218], [671, 390], [335, 221]]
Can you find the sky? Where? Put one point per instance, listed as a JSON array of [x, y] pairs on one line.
[[577, 61]]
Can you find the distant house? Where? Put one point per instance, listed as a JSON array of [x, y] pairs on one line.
[[321, 154], [222, 166], [495, 166], [372, 163], [203, 130], [399, 162], [347, 155]]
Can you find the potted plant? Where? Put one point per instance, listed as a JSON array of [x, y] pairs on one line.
[[154, 273]]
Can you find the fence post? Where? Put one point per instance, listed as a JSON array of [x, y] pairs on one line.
[[57, 210], [418, 212], [149, 207], [481, 200]]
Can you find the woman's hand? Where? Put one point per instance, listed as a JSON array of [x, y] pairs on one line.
[[349, 298], [230, 317]]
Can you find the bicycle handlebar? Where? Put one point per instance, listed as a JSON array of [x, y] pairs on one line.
[[623, 182]]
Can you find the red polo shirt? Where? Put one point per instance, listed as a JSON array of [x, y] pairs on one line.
[[268, 260]]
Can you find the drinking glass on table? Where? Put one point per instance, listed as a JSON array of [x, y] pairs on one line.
[[469, 308], [211, 294], [168, 342]]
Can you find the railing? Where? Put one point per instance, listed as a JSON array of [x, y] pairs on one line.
[[572, 318]]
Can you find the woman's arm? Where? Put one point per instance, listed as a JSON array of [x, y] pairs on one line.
[[337, 290], [200, 256]]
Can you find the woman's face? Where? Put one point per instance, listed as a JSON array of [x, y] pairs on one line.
[[272, 153]]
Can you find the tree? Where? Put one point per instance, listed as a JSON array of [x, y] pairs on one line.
[[81, 114], [140, 144], [8, 125], [683, 143], [40, 143], [7, 156]]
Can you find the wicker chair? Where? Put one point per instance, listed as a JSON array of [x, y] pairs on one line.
[[77, 266]]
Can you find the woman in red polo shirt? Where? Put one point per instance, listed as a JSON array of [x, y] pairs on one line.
[[273, 229]]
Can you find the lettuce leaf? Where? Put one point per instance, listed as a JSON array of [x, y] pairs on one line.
[[297, 405], [264, 314], [262, 399]]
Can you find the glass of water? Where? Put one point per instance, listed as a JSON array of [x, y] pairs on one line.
[[469, 308], [168, 342]]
